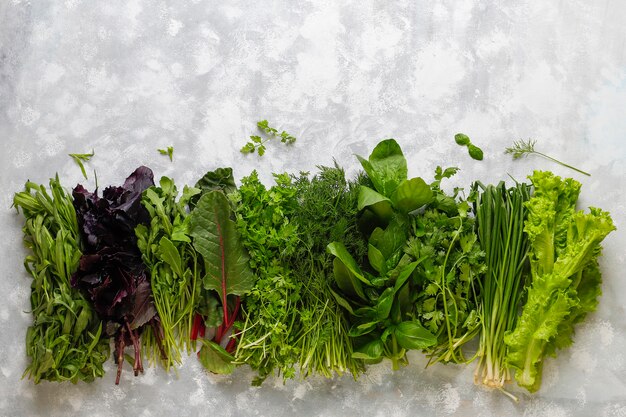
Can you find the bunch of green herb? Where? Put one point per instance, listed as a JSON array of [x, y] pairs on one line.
[[500, 215], [446, 296], [326, 212], [174, 265], [271, 318], [257, 143], [65, 341], [521, 149], [376, 291]]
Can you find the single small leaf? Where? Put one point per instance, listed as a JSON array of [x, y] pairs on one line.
[[215, 358], [411, 195], [475, 152], [370, 351], [339, 250], [412, 335], [384, 303], [462, 139], [170, 255], [376, 259], [362, 329], [346, 280]]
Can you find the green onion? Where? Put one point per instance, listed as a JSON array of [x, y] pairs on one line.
[[500, 214]]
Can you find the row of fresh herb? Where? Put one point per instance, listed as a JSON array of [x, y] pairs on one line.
[[317, 274]]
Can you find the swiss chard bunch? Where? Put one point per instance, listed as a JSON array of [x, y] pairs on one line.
[[111, 273], [65, 341], [565, 276], [227, 274]]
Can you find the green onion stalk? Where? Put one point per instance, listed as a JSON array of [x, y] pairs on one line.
[[500, 214]]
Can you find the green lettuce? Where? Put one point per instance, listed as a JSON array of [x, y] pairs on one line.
[[565, 284]]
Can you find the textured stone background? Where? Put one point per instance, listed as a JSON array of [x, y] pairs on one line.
[[127, 77]]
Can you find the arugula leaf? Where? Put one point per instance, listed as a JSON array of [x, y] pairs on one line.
[[79, 158], [65, 342]]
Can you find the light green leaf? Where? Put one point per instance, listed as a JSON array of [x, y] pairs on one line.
[[339, 250], [170, 255], [376, 259], [215, 359], [386, 167], [411, 195]]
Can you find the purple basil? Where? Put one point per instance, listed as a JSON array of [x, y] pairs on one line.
[[111, 271]]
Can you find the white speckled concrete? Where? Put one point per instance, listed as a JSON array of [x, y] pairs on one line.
[[127, 77]]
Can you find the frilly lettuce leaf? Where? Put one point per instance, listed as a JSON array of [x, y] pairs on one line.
[[565, 245]]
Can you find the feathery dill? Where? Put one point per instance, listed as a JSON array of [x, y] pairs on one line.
[[521, 149]]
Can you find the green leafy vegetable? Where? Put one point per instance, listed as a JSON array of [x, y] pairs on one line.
[[270, 315], [257, 143], [227, 272], [175, 267], [522, 149], [65, 341], [500, 214], [564, 247], [169, 152], [79, 158]]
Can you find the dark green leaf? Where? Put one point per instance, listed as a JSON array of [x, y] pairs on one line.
[[370, 351], [215, 237], [412, 335]]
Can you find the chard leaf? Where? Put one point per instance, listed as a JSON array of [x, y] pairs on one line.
[[386, 167], [219, 179], [411, 195], [216, 238], [412, 335], [215, 358]]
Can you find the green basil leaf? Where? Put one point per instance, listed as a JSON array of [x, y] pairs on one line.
[[412, 335], [411, 195]]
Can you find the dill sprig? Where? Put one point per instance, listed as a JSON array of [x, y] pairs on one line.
[[522, 149]]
